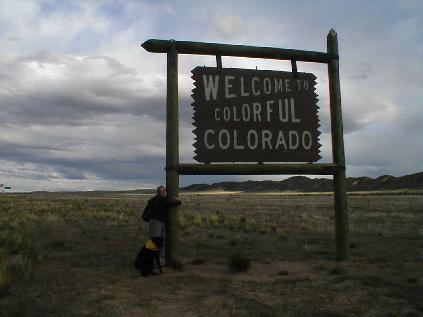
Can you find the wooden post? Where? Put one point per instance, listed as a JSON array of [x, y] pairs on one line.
[[172, 154], [339, 182]]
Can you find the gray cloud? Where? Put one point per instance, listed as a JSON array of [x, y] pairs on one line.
[[89, 111], [51, 88], [83, 116]]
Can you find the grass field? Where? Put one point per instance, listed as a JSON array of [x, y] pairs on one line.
[[64, 254]]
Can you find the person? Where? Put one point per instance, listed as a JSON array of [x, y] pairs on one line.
[[160, 205]]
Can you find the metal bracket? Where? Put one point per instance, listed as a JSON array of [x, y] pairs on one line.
[[294, 68], [172, 44], [219, 61]]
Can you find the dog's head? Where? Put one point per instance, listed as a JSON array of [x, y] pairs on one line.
[[158, 241]]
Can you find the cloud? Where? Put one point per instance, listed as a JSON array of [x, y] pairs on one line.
[[228, 26], [54, 88], [72, 116], [83, 105]]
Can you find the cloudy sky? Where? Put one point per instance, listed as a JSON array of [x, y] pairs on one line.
[[82, 105]]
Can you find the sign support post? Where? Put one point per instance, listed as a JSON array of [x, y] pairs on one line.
[[172, 154], [339, 182]]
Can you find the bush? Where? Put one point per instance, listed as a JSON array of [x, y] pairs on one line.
[[242, 222], [238, 262], [177, 265], [353, 245], [234, 241], [283, 236], [198, 261], [214, 220], [219, 236], [273, 227], [337, 270], [201, 242], [4, 279], [221, 218], [182, 223]]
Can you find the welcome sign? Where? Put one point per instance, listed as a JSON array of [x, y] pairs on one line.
[[245, 115]]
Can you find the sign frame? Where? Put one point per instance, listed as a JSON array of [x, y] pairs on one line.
[[250, 115], [173, 168]]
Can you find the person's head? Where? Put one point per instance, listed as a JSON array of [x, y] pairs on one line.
[[161, 191]]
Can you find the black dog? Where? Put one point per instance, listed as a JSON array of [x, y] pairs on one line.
[[148, 253]]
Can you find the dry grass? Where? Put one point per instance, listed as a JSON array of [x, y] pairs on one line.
[[71, 255]]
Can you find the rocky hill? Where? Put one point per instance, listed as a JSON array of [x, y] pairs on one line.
[[305, 184]]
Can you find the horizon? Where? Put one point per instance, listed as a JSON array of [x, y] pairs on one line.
[[210, 184], [83, 104]]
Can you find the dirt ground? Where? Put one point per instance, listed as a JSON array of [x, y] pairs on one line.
[[65, 254]]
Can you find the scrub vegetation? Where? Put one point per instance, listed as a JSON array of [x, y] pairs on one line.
[[71, 254]]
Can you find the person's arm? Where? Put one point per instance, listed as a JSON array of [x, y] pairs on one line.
[[173, 202]]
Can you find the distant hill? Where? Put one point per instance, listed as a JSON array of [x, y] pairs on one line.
[[305, 184]]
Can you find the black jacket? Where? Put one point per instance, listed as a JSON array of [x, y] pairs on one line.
[[160, 207]]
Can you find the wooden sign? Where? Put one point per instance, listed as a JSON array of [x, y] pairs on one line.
[[246, 115]]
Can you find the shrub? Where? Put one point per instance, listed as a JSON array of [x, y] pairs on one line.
[[57, 244], [242, 222], [234, 241], [4, 279], [213, 220], [186, 232], [219, 236], [177, 265], [273, 227], [201, 242], [198, 261], [238, 262], [283, 235], [182, 223], [221, 218], [337, 270], [197, 221]]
